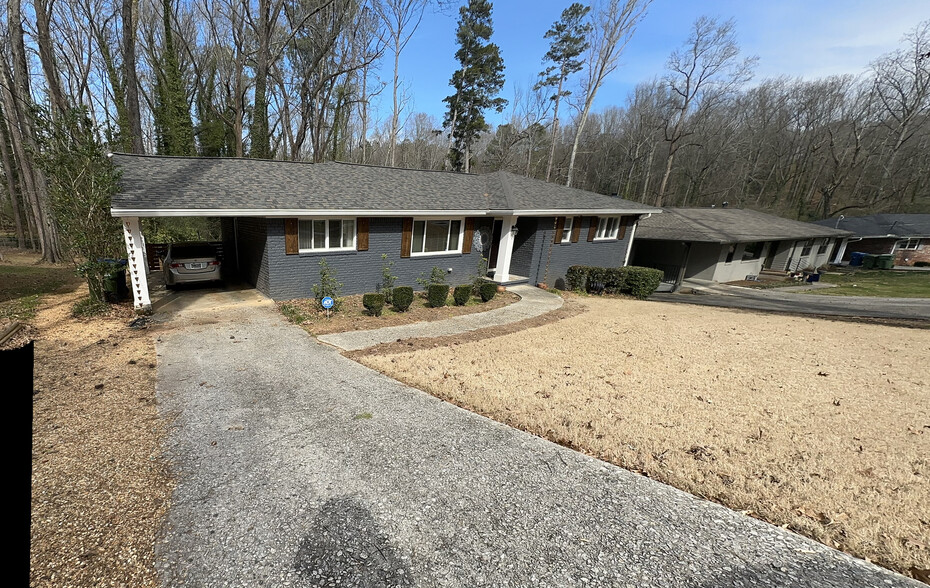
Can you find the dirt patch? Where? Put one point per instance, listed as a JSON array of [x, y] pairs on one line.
[[99, 485], [822, 426], [352, 316]]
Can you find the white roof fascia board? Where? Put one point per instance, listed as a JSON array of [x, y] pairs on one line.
[[287, 212]]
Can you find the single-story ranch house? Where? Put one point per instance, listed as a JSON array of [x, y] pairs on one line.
[[280, 218], [728, 244], [906, 236]]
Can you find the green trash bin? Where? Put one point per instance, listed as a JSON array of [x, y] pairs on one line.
[[885, 261], [868, 262]]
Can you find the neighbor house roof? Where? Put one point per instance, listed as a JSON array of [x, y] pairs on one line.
[[205, 186], [883, 225], [727, 225]]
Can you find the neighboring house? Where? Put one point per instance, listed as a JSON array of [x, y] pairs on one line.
[[729, 244], [280, 218], [907, 236]]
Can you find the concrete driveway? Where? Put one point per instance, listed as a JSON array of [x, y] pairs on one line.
[[299, 467], [798, 303]]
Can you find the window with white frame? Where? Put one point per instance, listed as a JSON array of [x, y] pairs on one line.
[[823, 246], [326, 234], [436, 236], [607, 227], [567, 230], [911, 244], [806, 247]]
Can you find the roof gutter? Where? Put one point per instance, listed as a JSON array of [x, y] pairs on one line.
[[292, 212]]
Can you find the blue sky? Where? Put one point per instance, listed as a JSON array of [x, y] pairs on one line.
[[810, 39]]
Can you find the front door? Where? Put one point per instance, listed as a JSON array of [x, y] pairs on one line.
[[495, 243], [770, 256]]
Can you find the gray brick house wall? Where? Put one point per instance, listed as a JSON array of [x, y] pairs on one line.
[[609, 253], [293, 276]]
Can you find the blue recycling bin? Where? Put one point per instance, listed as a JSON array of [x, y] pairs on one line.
[[856, 258]]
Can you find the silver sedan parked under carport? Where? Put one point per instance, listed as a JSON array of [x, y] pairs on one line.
[[187, 263]]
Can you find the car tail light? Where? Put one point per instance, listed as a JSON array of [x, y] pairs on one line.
[[214, 263], [176, 264]]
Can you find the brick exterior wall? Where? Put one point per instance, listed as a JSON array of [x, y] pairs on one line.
[[564, 255], [293, 276], [873, 246]]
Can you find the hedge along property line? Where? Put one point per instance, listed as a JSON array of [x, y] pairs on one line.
[[639, 282]]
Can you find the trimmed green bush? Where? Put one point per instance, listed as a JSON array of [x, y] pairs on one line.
[[402, 298], [373, 303], [437, 294], [922, 264], [461, 294], [487, 291], [641, 282], [576, 277]]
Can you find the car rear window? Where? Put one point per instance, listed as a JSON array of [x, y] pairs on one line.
[[184, 251]]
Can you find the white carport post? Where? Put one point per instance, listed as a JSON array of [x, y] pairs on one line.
[[505, 250], [135, 249], [840, 251]]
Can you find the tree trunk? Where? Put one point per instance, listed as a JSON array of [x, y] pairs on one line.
[[130, 78], [259, 133], [47, 56], [11, 188], [555, 129], [395, 116]]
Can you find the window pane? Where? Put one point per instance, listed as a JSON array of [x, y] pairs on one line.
[[305, 234], [601, 227], [348, 233], [319, 234], [335, 234], [454, 228], [614, 227], [419, 228], [567, 230], [437, 235]]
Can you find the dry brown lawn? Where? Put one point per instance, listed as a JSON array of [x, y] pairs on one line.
[[818, 425], [100, 485]]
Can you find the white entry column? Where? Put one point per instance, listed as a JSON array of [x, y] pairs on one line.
[[840, 251], [135, 250], [505, 249]]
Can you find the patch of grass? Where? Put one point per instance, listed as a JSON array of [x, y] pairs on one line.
[[882, 283], [293, 313], [17, 281], [362, 416], [830, 438], [20, 309], [88, 307]]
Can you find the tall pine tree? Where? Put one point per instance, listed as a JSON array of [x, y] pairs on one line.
[[476, 83], [174, 129], [569, 41]]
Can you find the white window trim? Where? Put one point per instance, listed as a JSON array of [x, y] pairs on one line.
[[354, 246], [567, 229], [438, 253], [614, 233], [906, 242]]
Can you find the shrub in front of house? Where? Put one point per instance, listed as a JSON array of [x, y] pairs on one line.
[[402, 298], [576, 277], [641, 282], [487, 291], [922, 264], [373, 303], [437, 294], [461, 294]]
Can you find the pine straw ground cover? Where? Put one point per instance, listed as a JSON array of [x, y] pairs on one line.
[[818, 425], [352, 316], [99, 485]]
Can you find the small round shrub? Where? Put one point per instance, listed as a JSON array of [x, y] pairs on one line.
[[461, 294], [373, 303], [402, 298], [487, 291], [641, 282], [437, 294]]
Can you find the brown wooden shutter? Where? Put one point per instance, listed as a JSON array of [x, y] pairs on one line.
[[559, 227], [469, 234], [361, 234], [406, 238], [592, 230], [576, 228], [291, 242], [622, 232]]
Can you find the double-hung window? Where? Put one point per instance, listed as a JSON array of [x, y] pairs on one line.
[[607, 227], [326, 234], [806, 249], [436, 236], [909, 244], [823, 246], [567, 230]]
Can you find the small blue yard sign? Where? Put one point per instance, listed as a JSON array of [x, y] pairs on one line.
[[327, 302]]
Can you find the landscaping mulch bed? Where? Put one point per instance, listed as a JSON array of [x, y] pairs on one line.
[[352, 316], [100, 486]]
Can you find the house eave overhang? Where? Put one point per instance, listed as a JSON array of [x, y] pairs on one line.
[[304, 212]]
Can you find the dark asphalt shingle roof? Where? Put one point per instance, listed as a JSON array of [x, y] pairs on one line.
[[198, 183], [883, 225], [727, 225]]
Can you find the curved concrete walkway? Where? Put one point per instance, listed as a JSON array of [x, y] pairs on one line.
[[533, 302]]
